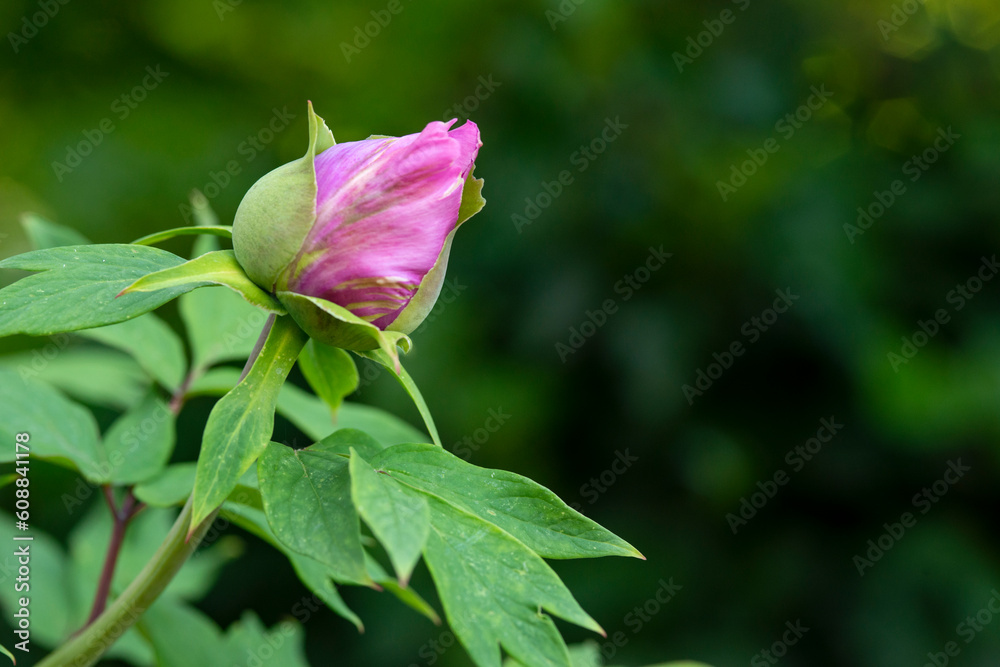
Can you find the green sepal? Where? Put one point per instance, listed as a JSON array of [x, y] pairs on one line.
[[430, 287], [336, 326], [214, 268], [278, 211]]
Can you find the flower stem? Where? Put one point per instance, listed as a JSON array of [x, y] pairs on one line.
[[87, 647], [130, 507]]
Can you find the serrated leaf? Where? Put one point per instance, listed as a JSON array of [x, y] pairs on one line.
[[307, 499], [44, 234], [525, 509], [214, 268], [330, 372], [170, 487], [78, 288], [240, 425], [138, 445], [96, 375], [153, 344], [60, 429], [311, 415], [312, 573], [222, 231], [400, 521], [494, 589], [221, 326], [410, 386]]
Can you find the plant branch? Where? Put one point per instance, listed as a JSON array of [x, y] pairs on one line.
[[130, 507], [87, 647]]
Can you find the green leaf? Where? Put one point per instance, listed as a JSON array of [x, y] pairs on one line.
[[45, 234], [79, 287], [330, 371], [170, 487], [96, 375], [221, 326], [400, 521], [247, 638], [494, 590], [307, 498], [240, 425], [214, 268], [158, 237], [138, 445], [312, 416], [182, 636], [152, 343], [60, 429], [528, 511], [312, 573], [3, 649], [410, 386]]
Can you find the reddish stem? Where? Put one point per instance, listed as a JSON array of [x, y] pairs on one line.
[[130, 507]]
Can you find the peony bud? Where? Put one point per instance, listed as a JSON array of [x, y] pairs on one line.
[[354, 238]]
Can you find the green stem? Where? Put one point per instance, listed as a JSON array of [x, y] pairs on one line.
[[87, 647]]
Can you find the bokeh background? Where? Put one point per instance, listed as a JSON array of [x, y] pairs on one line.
[[693, 88]]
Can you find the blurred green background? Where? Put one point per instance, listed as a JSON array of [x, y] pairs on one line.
[[695, 101]]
